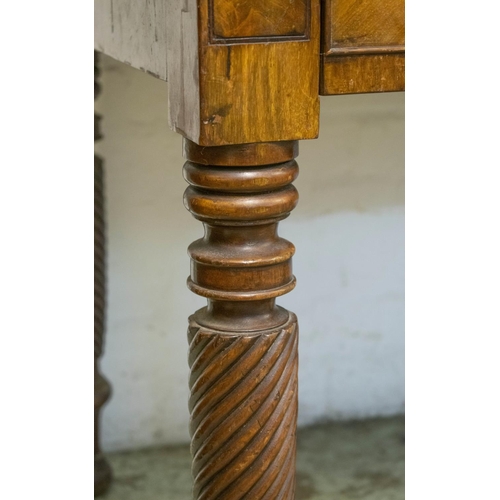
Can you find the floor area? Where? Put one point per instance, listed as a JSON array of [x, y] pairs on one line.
[[336, 461]]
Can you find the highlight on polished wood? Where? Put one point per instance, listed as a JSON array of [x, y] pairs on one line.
[[242, 346]]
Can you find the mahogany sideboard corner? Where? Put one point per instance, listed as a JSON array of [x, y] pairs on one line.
[[244, 80]]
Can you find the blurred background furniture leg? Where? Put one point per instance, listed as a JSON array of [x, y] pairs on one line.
[[102, 389]]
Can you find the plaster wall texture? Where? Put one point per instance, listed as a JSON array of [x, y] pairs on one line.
[[348, 229]]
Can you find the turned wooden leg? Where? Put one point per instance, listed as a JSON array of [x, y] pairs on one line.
[[102, 470], [243, 347]]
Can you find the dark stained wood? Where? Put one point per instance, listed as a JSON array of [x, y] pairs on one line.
[[243, 412], [243, 347], [363, 46], [102, 470], [243, 155]]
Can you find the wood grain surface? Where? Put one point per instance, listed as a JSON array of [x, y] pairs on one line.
[[243, 347], [246, 89], [243, 412], [242, 19], [363, 46]]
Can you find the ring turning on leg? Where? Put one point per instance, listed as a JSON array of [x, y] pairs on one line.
[[243, 347]]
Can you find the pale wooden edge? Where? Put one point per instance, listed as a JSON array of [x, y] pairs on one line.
[[183, 67], [133, 32]]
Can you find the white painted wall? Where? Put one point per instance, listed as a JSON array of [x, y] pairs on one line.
[[349, 234]]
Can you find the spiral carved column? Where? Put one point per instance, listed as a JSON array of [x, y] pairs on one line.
[[102, 470], [243, 347]]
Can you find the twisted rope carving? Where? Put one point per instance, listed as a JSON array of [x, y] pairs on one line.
[[243, 412], [99, 258], [99, 231], [101, 386]]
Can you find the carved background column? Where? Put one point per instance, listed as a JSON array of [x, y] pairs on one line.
[[102, 470], [243, 347]]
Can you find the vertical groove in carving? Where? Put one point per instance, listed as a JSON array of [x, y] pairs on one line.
[[244, 447]]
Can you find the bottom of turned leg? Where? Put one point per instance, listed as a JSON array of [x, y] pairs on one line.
[[102, 475]]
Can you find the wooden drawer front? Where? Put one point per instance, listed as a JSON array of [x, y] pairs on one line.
[[363, 46], [270, 20]]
